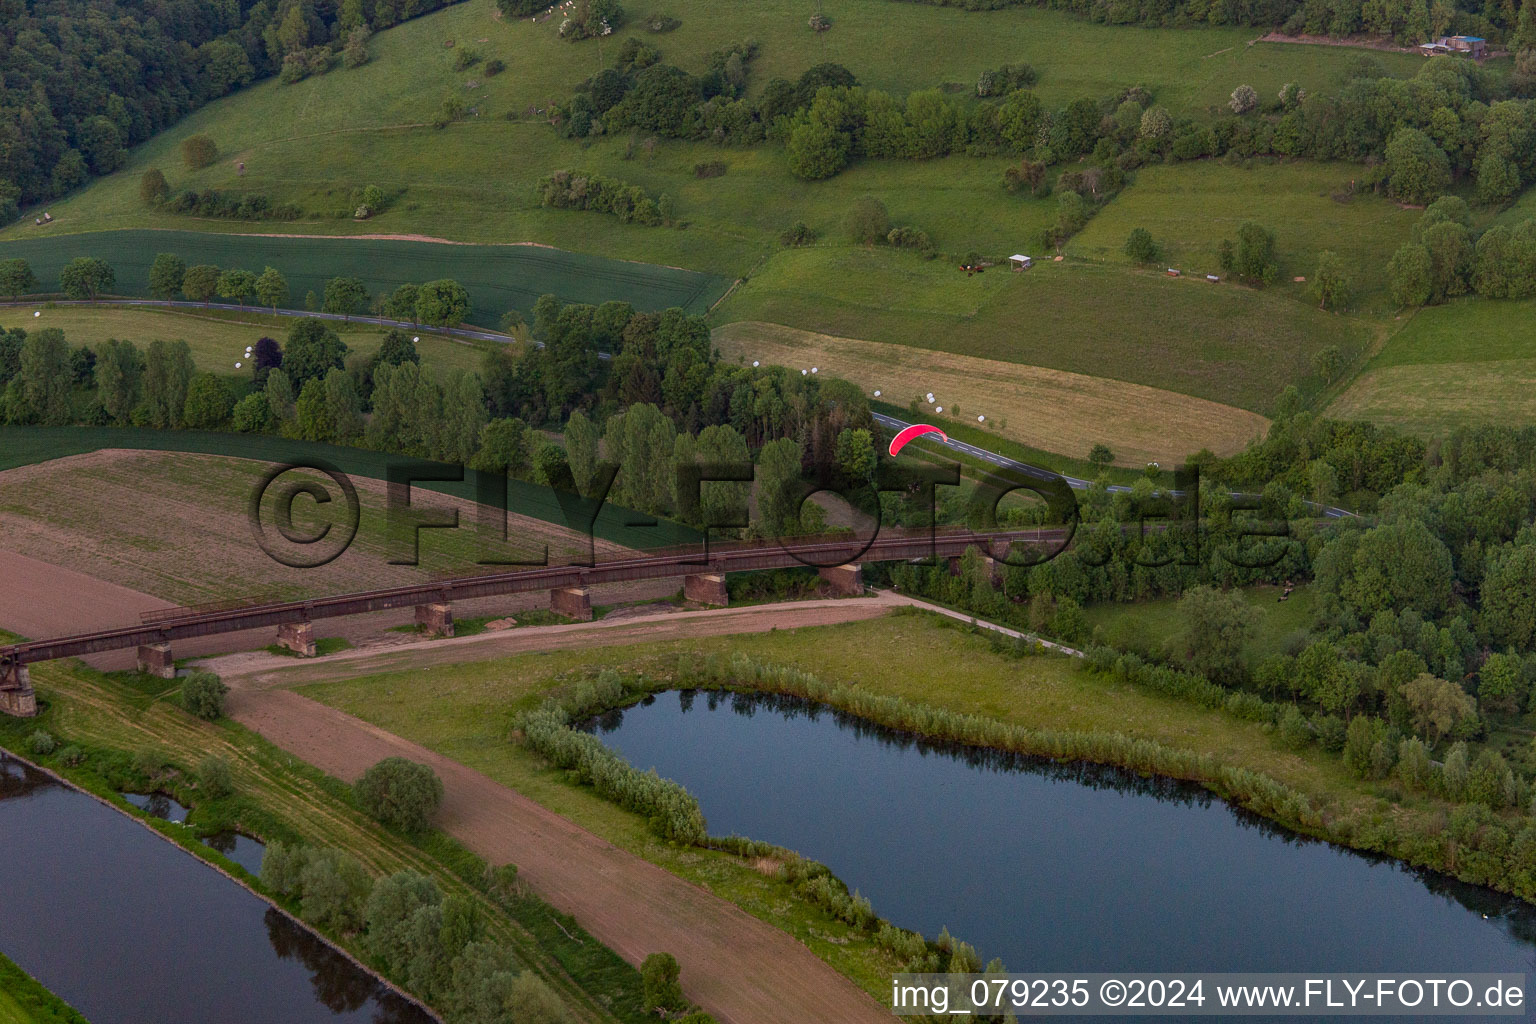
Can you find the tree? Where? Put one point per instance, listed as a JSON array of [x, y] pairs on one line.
[[202, 694], [856, 454], [581, 450], [778, 469], [209, 402], [1450, 258], [1509, 596], [1410, 271], [400, 793], [312, 351], [1417, 169], [200, 283], [153, 189], [335, 885], [401, 304], [867, 221], [1498, 179], [86, 277], [1140, 247], [816, 150], [165, 275], [504, 448], [253, 414], [659, 980], [198, 151], [1399, 565], [272, 288], [39, 393], [345, 296], [343, 408], [16, 277], [1254, 256], [167, 375], [1500, 684], [119, 378], [214, 779], [442, 303], [1156, 123], [389, 913], [311, 413], [1436, 706], [266, 356], [1330, 285], [1244, 98], [237, 285], [1100, 455], [279, 395], [1218, 624]]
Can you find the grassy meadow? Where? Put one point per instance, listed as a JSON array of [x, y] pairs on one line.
[[498, 278], [1470, 361]]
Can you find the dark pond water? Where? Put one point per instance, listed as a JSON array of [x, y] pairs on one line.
[[1059, 867], [158, 805], [243, 850], [129, 930]]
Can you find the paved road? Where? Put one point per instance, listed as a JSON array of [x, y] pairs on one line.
[[477, 334]]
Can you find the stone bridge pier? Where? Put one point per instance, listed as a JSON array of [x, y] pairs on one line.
[[17, 698], [843, 580], [572, 602], [436, 618], [298, 637], [157, 660], [707, 588]]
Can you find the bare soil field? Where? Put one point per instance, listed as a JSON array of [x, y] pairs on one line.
[[177, 526], [1051, 410]]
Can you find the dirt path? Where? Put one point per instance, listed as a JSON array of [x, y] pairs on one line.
[[743, 970]]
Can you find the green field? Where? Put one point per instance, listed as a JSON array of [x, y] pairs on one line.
[[1150, 627], [1237, 346], [1190, 208], [499, 277], [1470, 361], [218, 339], [24, 1001]]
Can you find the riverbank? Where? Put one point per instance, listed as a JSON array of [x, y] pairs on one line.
[[23, 1000], [125, 723], [1083, 714]]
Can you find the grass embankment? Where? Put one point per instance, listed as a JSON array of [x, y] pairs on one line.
[[276, 797], [24, 1001], [1149, 628], [1471, 361], [218, 339], [498, 277], [474, 704]]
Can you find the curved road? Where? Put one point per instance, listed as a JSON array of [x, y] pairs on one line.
[[477, 334]]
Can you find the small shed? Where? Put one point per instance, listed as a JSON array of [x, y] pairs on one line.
[[1173, 273], [1020, 262], [1212, 278]]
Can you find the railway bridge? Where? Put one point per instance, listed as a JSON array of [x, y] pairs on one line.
[[703, 568]]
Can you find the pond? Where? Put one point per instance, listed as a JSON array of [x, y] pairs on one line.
[[127, 928], [1059, 867]]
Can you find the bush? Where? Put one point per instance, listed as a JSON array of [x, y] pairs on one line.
[[72, 756], [214, 779], [867, 222], [797, 234], [400, 793], [494, 67], [198, 151], [659, 976], [332, 888], [1140, 246], [202, 694], [709, 169], [908, 238], [41, 742]]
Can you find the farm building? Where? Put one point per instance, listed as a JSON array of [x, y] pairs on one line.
[[1020, 262], [1473, 46]]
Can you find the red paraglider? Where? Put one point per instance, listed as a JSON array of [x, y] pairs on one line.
[[912, 433]]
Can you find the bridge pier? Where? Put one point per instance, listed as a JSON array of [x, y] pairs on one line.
[[707, 588], [843, 580], [156, 660], [436, 619], [298, 637], [572, 602], [17, 698]]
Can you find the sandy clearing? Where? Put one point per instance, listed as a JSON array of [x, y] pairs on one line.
[[1051, 410]]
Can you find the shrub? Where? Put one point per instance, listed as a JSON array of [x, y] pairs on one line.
[[41, 742], [908, 238], [214, 779], [198, 151], [72, 756], [332, 888], [867, 221], [709, 169], [202, 694], [1294, 731], [659, 976], [464, 58], [797, 234], [1140, 246], [400, 793], [153, 189], [494, 67]]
